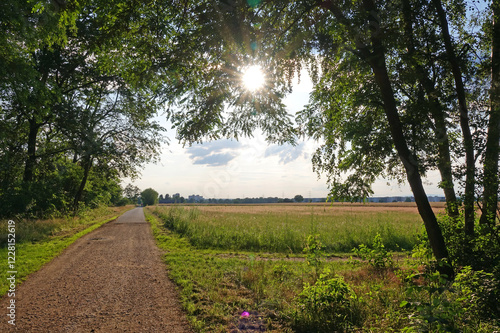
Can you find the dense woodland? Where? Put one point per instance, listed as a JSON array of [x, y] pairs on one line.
[[401, 88]]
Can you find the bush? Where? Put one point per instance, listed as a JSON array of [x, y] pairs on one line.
[[480, 293], [481, 251], [439, 305], [327, 306], [377, 256]]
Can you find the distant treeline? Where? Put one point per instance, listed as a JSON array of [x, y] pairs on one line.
[[260, 200]]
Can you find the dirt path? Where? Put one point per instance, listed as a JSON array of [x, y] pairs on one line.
[[111, 280]]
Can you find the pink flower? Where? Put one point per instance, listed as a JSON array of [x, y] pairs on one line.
[[245, 314]]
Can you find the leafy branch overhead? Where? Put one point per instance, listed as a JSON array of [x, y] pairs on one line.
[[401, 88]]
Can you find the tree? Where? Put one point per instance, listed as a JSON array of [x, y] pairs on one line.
[[79, 86], [492, 151], [388, 76], [298, 198], [149, 197], [132, 192]]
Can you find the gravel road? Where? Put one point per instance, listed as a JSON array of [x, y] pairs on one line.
[[111, 280]]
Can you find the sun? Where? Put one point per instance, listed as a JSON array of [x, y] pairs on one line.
[[253, 78]]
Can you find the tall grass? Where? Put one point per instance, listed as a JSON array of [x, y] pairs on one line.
[[276, 230]]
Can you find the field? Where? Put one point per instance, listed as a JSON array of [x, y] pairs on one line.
[[284, 228], [292, 268]]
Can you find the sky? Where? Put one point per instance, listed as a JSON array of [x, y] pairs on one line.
[[250, 167]]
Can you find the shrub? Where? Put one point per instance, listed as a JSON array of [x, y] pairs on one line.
[[329, 305], [480, 251], [314, 251], [377, 256], [435, 308], [480, 293]]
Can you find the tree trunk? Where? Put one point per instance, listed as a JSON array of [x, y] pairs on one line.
[[491, 156], [436, 238], [87, 164], [437, 113], [378, 63], [30, 163], [470, 169], [375, 57]]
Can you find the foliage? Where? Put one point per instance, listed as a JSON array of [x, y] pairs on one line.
[[377, 256], [132, 193], [314, 251], [436, 308], [149, 197], [480, 251], [77, 102], [298, 198], [443, 306], [480, 292], [327, 305]]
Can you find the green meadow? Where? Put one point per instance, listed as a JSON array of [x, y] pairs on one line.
[[282, 229], [310, 268]]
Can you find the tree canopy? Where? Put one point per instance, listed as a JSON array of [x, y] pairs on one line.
[[149, 197], [78, 102], [400, 88]]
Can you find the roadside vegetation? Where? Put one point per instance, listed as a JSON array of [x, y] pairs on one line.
[[231, 286], [39, 241]]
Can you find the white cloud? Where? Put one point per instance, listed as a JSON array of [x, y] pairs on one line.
[[286, 153], [216, 153]]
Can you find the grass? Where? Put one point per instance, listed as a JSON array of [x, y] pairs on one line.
[[222, 275], [269, 228], [38, 242]]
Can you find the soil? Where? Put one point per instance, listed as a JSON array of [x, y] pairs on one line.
[[111, 280]]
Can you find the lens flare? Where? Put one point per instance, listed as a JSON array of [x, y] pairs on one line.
[[253, 78]]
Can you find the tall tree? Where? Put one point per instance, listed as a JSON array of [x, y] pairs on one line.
[[83, 87], [491, 156], [389, 75]]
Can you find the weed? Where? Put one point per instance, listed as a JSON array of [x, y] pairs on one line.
[[329, 305], [377, 256], [314, 251]]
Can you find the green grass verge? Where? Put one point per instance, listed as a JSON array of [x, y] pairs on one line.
[[32, 255]]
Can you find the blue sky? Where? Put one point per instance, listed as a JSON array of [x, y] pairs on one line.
[[249, 167]]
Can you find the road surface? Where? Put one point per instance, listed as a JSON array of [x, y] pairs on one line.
[[110, 280]]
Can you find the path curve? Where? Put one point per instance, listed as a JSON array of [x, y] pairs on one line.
[[110, 280]]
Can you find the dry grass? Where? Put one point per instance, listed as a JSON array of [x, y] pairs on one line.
[[284, 227], [319, 208]]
